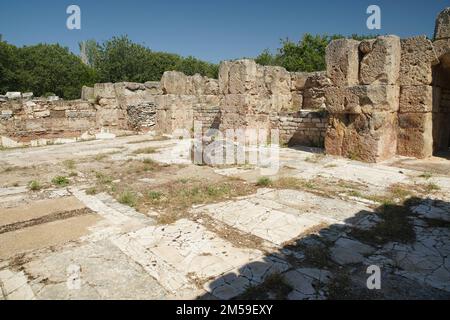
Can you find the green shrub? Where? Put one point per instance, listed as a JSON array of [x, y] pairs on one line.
[[60, 181]]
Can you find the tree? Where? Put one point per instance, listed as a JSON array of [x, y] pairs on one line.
[[10, 72], [191, 66], [43, 68], [267, 59], [119, 59]]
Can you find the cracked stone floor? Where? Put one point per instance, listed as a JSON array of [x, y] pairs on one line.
[[66, 243]]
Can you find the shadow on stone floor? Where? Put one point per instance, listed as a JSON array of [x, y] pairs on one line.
[[410, 243]]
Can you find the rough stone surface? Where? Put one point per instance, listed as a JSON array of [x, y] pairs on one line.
[[342, 58], [417, 59], [442, 30], [415, 137], [174, 82], [382, 64], [13, 95], [417, 99], [362, 99], [87, 93], [366, 137]]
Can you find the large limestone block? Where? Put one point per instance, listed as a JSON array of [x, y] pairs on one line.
[[442, 48], [342, 58], [210, 101], [362, 99], [174, 82], [277, 80], [104, 90], [153, 87], [199, 85], [224, 76], [87, 93], [13, 95], [417, 60], [314, 91], [416, 99], [279, 102], [134, 86], [244, 104], [442, 29], [298, 80], [375, 98], [317, 80], [415, 137], [196, 85], [341, 100], [365, 137], [381, 65], [417, 121], [211, 87], [313, 99], [297, 102], [129, 93], [242, 76], [175, 102]]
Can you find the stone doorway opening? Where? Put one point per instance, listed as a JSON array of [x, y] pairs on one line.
[[441, 107]]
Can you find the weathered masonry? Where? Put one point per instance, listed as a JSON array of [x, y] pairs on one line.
[[389, 96], [377, 99]]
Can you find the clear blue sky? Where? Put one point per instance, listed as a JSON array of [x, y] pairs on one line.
[[212, 30]]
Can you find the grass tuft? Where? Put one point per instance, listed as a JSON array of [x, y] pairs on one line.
[[264, 182], [61, 181], [128, 198], [34, 185]]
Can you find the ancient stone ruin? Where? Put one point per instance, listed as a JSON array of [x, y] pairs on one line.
[[377, 99]]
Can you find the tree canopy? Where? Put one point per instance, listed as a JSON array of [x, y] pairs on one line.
[[43, 69], [119, 59]]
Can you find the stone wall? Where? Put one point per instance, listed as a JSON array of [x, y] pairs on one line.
[[41, 121], [363, 98], [306, 128], [116, 109], [385, 96], [246, 95]]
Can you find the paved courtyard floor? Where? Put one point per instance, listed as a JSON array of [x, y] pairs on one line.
[[131, 218]]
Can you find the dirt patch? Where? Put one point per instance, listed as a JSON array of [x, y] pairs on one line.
[[230, 234], [46, 235], [45, 219]]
